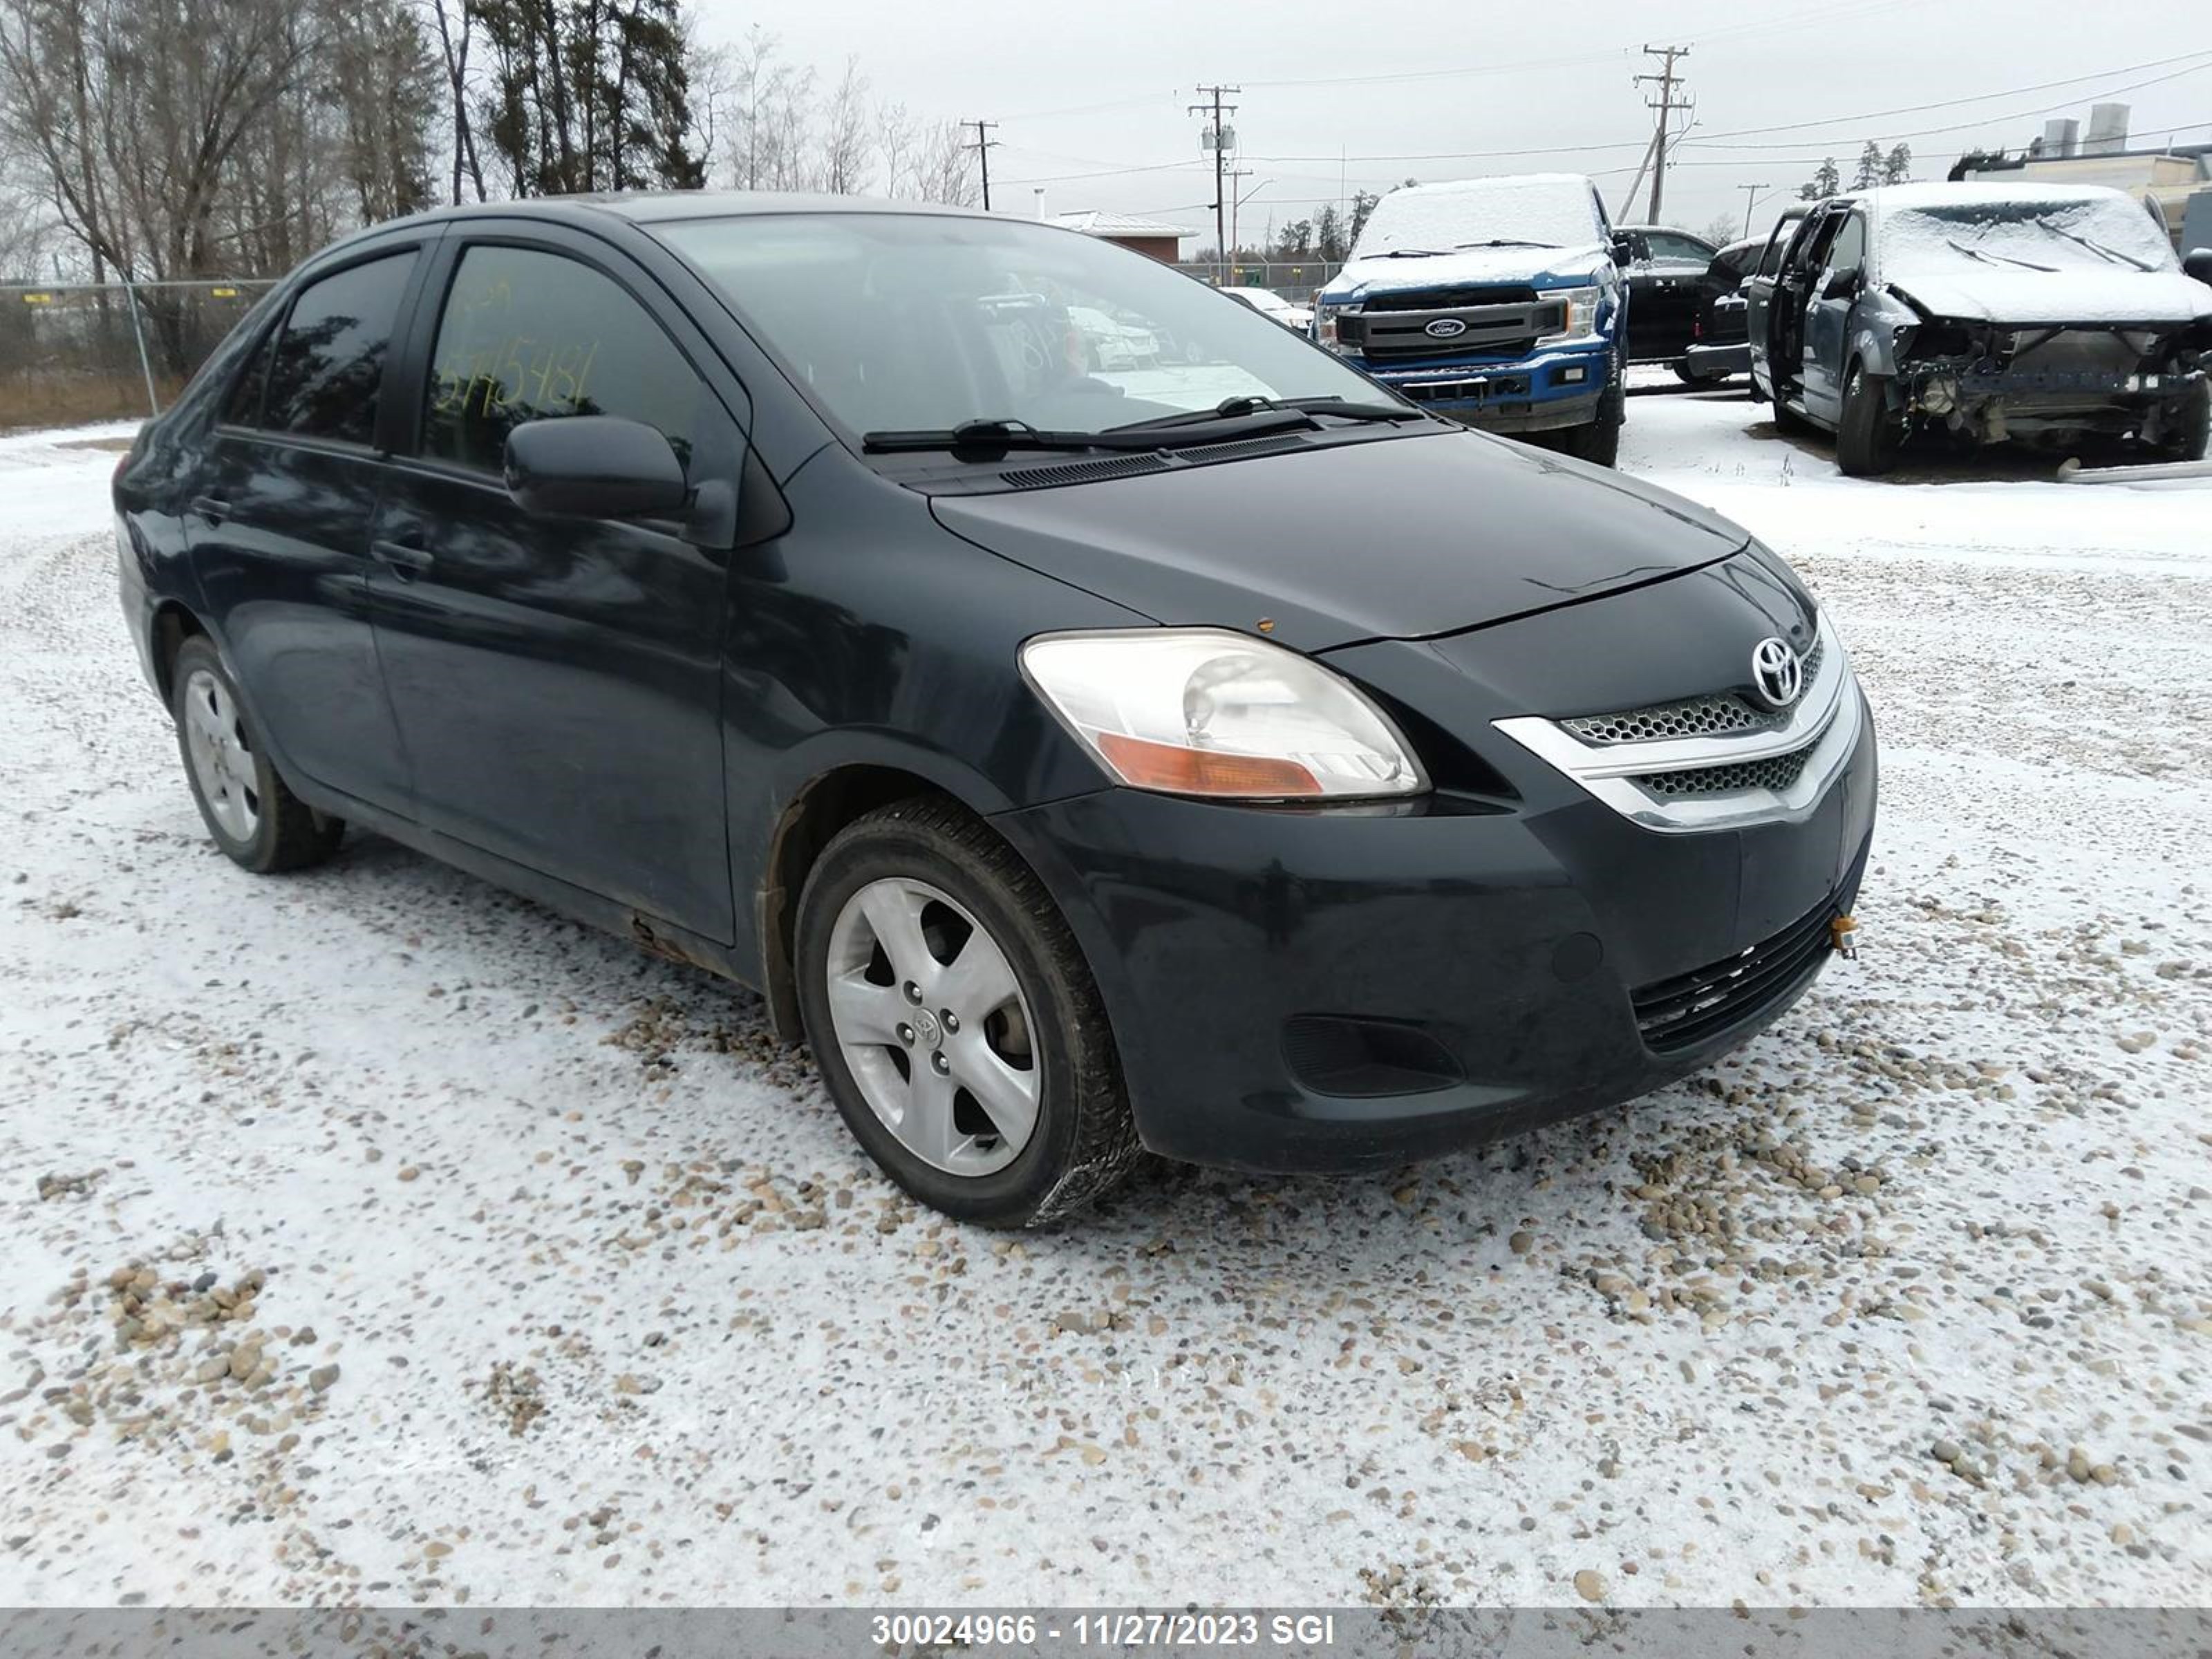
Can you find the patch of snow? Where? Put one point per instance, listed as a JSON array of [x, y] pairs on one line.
[[2030, 254], [619, 1313], [1559, 209]]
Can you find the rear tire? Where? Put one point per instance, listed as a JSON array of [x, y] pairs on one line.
[[1867, 435], [249, 810], [1689, 376], [1011, 1113]]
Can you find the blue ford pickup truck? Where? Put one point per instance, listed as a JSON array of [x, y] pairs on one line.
[[1497, 302]]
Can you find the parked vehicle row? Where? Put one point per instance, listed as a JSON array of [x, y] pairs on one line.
[[1084, 746]]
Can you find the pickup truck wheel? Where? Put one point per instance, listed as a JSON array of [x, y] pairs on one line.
[[2186, 433], [1689, 376], [249, 811], [1867, 435], [1599, 443], [956, 1023]]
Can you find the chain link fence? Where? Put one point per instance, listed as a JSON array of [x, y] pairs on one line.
[[94, 351], [1294, 279]]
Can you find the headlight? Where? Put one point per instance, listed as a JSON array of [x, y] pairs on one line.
[[1325, 329], [1582, 314], [1202, 711]]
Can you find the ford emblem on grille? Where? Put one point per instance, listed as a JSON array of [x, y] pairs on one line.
[[1777, 672], [1446, 328]]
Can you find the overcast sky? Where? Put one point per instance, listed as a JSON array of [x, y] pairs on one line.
[[1100, 89]]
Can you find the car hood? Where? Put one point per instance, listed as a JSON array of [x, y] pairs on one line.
[[1402, 537], [2058, 296], [1540, 267]]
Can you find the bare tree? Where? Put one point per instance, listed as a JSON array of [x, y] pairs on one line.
[[945, 166], [848, 143], [896, 141], [456, 21]]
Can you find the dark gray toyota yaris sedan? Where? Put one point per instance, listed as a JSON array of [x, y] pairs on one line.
[[1091, 716]]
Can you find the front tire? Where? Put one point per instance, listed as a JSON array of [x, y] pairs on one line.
[[2189, 432], [1599, 442], [1867, 435], [955, 1024], [250, 811]]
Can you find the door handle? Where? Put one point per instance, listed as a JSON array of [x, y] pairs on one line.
[[404, 562], [211, 508]]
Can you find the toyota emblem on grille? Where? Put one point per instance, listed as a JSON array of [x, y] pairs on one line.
[[1777, 671], [1446, 328]]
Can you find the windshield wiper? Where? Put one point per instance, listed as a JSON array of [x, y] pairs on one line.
[[1504, 241], [2098, 248], [1987, 258], [1230, 409], [1411, 253], [990, 439]]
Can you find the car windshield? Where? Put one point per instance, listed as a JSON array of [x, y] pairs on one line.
[[2025, 233], [914, 322], [1547, 210]]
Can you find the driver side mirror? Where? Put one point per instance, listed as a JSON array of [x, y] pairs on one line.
[[594, 466], [1624, 249], [1840, 285], [2198, 262]]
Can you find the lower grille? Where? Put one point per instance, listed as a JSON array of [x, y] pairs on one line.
[[1776, 773], [1681, 1012], [1479, 390]]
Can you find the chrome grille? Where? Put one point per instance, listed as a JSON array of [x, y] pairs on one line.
[[1690, 717], [1777, 774]]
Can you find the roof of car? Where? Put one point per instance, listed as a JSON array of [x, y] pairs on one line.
[[1905, 198], [658, 206]]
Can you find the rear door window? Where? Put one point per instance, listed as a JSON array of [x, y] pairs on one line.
[[326, 372], [531, 336]]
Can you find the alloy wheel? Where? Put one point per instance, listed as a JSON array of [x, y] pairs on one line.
[[934, 1026], [222, 761]]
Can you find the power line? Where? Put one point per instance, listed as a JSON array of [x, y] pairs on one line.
[[2201, 56]]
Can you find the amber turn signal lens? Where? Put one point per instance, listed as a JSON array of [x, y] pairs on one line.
[[1180, 771]]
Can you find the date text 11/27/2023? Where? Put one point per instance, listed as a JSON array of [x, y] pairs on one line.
[[1109, 1630]]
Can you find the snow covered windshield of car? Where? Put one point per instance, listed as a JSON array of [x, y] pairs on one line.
[[1550, 210], [1954, 238], [919, 321]]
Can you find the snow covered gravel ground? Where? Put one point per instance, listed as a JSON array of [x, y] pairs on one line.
[[372, 1236]]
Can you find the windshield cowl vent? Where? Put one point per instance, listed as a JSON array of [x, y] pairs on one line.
[[1068, 473]]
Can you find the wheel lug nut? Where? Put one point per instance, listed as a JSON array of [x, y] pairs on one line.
[[951, 1021], [939, 1062], [913, 991], [906, 1033]]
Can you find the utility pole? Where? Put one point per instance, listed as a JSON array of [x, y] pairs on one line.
[[1667, 80], [1236, 201], [1751, 200], [983, 146], [1217, 139]]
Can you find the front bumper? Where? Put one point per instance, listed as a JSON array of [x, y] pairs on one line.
[[1549, 391], [1717, 361], [1349, 989]]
